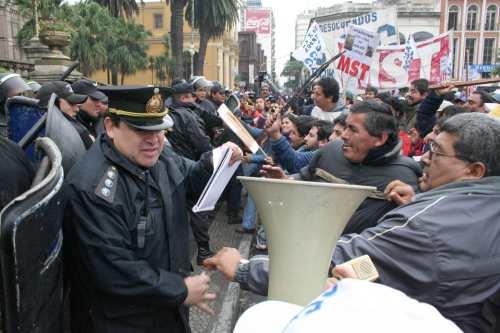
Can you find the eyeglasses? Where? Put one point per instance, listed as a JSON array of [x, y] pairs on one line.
[[433, 151]]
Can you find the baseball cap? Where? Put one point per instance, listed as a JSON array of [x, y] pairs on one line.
[[350, 306], [62, 90], [89, 88], [443, 105], [182, 88]]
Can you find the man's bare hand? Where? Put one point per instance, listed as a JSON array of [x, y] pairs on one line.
[[225, 261], [275, 172], [400, 193], [273, 126], [446, 90], [237, 153], [344, 271], [269, 160], [246, 158], [198, 294]]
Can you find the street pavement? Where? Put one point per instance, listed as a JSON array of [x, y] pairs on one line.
[[227, 304]]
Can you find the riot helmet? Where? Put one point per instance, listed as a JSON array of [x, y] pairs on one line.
[[11, 84]]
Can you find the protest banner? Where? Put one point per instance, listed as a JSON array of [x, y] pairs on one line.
[[312, 52], [382, 21], [360, 45], [387, 70]]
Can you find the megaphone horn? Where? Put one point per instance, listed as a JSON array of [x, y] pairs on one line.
[[303, 221]]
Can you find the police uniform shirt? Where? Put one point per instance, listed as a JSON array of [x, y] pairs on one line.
[[16, 172]]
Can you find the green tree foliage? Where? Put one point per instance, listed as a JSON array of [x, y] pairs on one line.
[[211, 18], [47, 10], [120, 8], [127, 49], [98, 39], [162, 67], [92, 26], [292, 70]]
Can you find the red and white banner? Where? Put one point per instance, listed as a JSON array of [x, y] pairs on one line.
[[433, 63], [258, 21]]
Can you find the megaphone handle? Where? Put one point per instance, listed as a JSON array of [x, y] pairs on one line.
[[260, 150]]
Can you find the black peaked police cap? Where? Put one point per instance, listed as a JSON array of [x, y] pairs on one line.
[[139, 106]]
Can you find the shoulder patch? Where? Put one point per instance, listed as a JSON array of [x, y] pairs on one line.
[[106, 188]]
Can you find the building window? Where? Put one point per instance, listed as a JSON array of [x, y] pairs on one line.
[[488, 50], [490, 18], [158, 18], [455, 45], [488, 55], [472, 18], [470, 48], [244, 49], [453, 18]]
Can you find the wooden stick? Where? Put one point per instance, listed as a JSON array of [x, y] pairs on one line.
[[465, 83]]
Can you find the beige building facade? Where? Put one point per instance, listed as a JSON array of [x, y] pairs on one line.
[[221, 60], [10, 24], [476, 34]]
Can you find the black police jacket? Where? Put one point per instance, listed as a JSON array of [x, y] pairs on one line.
[[188, 137], [16, 171], [127, 271], [206, 112]]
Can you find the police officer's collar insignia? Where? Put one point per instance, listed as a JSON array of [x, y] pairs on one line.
[[107, 185], [155, 103]]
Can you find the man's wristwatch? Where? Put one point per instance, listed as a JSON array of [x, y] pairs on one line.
[[241, 273]]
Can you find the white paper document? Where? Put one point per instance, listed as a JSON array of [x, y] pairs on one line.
[[217, 183]]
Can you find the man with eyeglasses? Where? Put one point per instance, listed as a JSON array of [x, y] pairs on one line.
[[442, 245]]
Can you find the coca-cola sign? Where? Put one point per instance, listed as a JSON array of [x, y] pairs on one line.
[[258, 21]]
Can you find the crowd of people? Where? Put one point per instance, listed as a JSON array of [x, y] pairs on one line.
[[129, 197]]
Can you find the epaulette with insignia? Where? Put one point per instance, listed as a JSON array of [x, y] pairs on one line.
[[107, 186]]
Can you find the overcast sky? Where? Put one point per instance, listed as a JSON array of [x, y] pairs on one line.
[[285, 12]]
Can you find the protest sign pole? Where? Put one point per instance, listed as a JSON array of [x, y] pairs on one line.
[[465, 83], [310, 79]]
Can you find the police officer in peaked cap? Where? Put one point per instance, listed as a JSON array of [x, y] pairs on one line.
[[125, 223]]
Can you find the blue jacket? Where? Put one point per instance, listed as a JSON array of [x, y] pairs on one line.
[[426, 113], [291, 160]]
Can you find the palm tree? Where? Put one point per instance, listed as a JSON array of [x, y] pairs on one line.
[[127, 49], [292, 70], [211, 18], [120, 8], [177, 34], [91, 25]]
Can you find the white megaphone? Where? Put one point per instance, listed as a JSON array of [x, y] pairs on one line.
[[303, 221]]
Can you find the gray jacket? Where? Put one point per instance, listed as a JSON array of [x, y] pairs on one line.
[[443, 249], [378, 172]]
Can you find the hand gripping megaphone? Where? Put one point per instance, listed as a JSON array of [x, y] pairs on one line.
[[303, 221]]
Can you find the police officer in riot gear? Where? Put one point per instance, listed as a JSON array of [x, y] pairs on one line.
[[125, 226], [188, 139], [11, 84]]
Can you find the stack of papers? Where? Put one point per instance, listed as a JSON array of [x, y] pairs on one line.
[[217, 183]]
